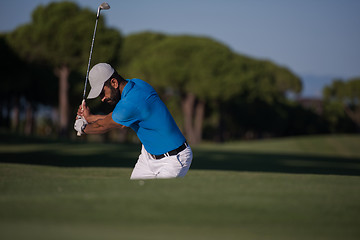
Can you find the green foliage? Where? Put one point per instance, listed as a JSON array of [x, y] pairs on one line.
[[60, 34], [193, 65], [342, 103], [204, 67], [334, 113], [346, 92], [353, 89], [336, 91], [59, 37], [269, 82], [208, 69], [135, 47]]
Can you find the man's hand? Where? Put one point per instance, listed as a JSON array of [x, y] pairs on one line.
[[80, 124], [83, 111]]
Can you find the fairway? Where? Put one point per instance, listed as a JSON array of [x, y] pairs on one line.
[[293, 188]]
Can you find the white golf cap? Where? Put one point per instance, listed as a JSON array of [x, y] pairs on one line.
[[98, 75]]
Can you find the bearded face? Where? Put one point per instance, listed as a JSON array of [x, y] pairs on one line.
[[114, 96], [110, 95]]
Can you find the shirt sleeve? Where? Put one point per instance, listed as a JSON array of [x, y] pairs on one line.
[[125, 113]]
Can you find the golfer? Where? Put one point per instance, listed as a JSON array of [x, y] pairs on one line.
[[165, 152]]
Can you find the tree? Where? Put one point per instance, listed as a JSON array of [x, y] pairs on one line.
[[208, 72], [343, 97], [269, 82], [189, 66], [135, 49], [60, 36], [203, 71], [10, 92]]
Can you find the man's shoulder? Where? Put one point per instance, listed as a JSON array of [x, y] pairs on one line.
[[124, 110], [141, 84], [125, 105]]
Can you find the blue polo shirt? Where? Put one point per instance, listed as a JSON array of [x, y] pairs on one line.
[[141, 109]]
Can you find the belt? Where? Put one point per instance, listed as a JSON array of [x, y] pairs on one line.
[[171, 153]]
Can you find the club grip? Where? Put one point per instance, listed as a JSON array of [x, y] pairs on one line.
[[82, 104], [77, 117]]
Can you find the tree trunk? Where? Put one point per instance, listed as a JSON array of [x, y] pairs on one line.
[[220, 133], [63, 73], [15, 122], [188, 106], [7, 117], [199, 119], [29, 119], [122, 134], [354, 115], [193, 118], [3, 114]]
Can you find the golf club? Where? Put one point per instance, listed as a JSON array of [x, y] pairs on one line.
[[103, 6]]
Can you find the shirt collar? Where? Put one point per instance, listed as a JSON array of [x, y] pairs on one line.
[[130, 84]]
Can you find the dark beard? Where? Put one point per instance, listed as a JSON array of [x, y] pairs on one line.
[[114, 96]]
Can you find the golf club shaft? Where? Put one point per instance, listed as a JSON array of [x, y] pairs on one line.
[[88, 66], [105, 6], [91, 50], [102, 6]]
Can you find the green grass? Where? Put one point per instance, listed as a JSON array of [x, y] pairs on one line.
[[294, 188]]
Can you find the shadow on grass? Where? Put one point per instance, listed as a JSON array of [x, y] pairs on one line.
[[77, 154], [273, 162]]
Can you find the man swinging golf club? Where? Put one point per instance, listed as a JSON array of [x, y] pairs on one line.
[[165, 152]]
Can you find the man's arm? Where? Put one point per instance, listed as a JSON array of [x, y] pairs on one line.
[[84, 111], [94, 118], [101, 125]]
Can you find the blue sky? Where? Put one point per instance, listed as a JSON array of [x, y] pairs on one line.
[[317, 39]]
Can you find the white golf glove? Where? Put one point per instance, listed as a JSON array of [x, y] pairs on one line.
[[80, 125]]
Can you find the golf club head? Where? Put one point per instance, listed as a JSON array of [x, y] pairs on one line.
[[104, 6]]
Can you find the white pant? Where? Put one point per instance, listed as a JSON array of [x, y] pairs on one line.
[[167, 167]]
